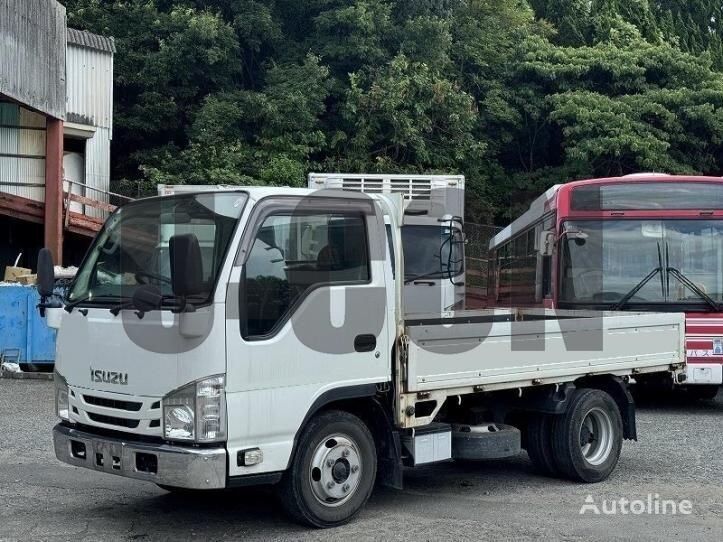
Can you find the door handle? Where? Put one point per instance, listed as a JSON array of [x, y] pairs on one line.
[[365, 343], [427, 282]]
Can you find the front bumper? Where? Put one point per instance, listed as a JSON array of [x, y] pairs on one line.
[[176, 466]]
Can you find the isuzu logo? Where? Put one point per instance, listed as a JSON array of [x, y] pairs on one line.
[[108, 377]]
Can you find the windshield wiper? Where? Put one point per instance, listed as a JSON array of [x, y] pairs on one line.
[[694, 287], [89, 299], [635, 289], [627, 297], [678, 274], [115, 309], [177, 305], [665, 273]]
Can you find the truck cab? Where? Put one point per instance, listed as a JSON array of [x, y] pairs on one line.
[[278, 290]]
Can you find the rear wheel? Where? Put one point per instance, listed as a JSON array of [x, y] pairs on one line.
[[588, 437], [539, 444], [333, 471]]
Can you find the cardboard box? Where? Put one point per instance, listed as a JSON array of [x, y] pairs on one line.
[[28, 279], [12, 273]]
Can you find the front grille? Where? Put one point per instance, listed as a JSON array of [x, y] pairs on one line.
[[130, 406], [112, 420], [116, 411]]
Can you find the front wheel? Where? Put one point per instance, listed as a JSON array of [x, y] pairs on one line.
[[588, 437], [333, 471]]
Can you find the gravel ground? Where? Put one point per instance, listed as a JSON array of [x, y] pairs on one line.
[[678, 457]]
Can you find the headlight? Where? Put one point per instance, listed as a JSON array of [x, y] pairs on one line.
[[211, 409], [196, 412], [62, 408]]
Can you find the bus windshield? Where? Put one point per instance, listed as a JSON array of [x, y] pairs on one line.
[[132, 248], [602, 262]]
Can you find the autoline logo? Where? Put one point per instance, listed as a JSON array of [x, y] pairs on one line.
[[108, 377], [653, 505]]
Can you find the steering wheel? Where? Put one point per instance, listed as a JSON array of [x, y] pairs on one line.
[[142, 276]]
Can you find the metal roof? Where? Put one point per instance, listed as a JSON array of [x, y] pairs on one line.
[[83, 38]]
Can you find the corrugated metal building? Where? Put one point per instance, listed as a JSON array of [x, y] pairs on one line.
[[22, 152], [89, 117], [32, 59], [56, 126]]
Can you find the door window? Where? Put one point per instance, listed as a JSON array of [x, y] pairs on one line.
[[293, 254]]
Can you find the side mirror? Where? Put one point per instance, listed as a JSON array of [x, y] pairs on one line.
[[186, 265], [546, 243], [46, 273]]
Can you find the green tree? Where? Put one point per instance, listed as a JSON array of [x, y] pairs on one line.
[[515, 95]]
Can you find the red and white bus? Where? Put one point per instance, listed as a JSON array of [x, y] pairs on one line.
[[641, 242]]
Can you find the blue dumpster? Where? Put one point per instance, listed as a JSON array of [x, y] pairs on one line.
[[24, 335]]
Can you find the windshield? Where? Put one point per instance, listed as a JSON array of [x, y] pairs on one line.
[[427, 252], [132, 249], [603, 261]]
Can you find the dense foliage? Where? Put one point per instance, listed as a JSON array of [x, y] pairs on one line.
[[515, 95]]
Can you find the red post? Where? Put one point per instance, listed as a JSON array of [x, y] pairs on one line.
[[54, 189]]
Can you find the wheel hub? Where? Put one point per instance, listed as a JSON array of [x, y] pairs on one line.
[[335, 470], [596, 436], [340, 471]]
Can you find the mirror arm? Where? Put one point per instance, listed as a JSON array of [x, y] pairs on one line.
[[184, 306], [45, 304]]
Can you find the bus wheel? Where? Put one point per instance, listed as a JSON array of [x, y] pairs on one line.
[[539, 444], [333, 471], [588, 437]]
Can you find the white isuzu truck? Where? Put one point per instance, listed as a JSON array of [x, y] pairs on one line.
[[259, 336]]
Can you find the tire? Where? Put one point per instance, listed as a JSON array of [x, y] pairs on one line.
[[322, 488], [539, 444], [703, 392], [588, 437], [470, 445]]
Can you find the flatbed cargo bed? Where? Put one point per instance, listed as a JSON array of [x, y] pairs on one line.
[[485, 350]]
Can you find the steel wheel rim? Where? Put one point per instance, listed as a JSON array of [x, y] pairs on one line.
[[335, 470], [596, 436]]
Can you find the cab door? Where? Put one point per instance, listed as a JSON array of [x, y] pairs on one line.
[[307, 318]]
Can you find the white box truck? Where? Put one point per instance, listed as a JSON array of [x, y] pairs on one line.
[[258, 336]]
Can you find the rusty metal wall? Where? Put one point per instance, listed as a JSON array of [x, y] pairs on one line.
[[32, 62], [22, 152]]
